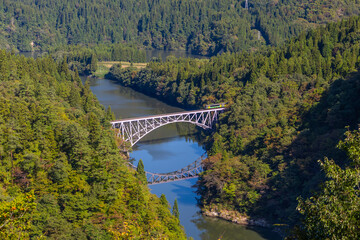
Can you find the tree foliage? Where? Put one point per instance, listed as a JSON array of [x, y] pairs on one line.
[[61, 174], [334, 212], [15, 215], [287, 107], [201, 27], [140, 172], [175, 210], [84, 59]]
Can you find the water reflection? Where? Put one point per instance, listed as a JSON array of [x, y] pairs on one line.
[[218, 229], [167, 156], [127, 103], [167, 149]]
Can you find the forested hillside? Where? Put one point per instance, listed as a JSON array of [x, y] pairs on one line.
[[202, 27], [288, 107], [61, 173], [84, 59]]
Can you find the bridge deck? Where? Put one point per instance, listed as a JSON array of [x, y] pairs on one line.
[[190, 171], [166, 115]]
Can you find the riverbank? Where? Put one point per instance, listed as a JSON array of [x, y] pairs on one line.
[[230, 216], [161, 144], [167, 149], [237, 218]]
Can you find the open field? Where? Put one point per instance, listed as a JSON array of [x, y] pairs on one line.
[[104, 67]]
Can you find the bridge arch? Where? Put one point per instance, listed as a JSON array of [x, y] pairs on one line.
[[190, 171], [143, 132], [134, 129]]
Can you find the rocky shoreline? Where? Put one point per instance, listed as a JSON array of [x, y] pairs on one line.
[[235, 217]]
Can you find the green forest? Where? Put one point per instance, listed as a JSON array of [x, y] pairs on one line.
[[61, 174], [201, 27], [287, 149], [84, 58], [288, 107]]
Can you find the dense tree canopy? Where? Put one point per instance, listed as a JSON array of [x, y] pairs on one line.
[[287, 108], [334, 213], [61, 174], [84, 59], [202, 27]]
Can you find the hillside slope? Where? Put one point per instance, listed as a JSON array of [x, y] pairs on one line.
[[61, 174], [288, 108], [202, 27]]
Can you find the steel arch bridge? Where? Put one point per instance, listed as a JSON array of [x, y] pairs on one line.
[[133, 129], [191, 171]]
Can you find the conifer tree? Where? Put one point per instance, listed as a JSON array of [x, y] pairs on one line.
[[175, 210], [140, 172], [74, 98], [63, 66], [109, 114], [93, 64], [164, 201], [77, 78]]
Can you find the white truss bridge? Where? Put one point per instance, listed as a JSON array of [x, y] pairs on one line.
[[191, 171], [133, 129]]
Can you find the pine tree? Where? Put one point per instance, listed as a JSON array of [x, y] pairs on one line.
[[63, 67], [109, 114], [140, 172], [74, 98], [93, 64], [94, 129], [77, 78], [175, 210], [164, 201]]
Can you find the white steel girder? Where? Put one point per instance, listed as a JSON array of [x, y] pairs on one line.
[[191, 171], [132, 130]]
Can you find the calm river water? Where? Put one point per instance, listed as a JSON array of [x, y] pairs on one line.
[[167, 149]]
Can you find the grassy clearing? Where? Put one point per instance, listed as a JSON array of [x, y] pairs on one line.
[[104, 67]]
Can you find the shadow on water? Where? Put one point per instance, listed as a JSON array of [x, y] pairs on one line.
[[158, 137], [160, 140], [190, 133], [167, 149], [154, 102], [215, 228], [183, 194]]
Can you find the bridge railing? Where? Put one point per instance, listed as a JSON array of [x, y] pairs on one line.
[[190, 171], [133, 129], [220, 109]]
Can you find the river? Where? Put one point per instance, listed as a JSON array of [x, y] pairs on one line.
[[167, 149]]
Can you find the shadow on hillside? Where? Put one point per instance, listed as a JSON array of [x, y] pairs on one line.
[[323, 126]]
